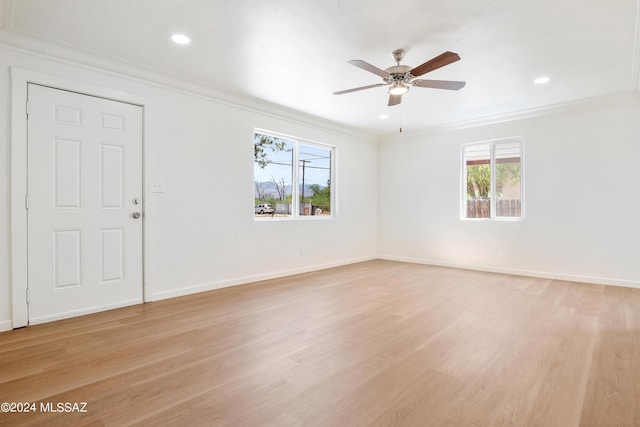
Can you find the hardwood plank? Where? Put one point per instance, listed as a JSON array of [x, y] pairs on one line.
[[373, 343], [613, 390]]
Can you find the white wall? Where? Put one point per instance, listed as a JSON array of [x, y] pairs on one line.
[[201, 234], [582, 199]]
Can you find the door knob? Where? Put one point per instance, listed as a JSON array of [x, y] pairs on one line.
[[136, 215]]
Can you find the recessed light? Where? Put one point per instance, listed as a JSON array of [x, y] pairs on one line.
[[383, 116], [180, 39], [541, 80]]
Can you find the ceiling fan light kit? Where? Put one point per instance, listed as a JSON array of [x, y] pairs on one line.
[[401, 77], [398, 88]]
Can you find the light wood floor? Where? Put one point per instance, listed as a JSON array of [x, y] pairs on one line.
[[370, 344]]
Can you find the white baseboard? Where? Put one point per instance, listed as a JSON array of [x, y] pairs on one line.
[[82, 312], [520, 272], [255, 278], [6, 325]]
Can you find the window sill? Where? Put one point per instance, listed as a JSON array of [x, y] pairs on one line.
[[300, 218], [498, 219]]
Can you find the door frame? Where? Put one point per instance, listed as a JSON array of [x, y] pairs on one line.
[[20, 78]]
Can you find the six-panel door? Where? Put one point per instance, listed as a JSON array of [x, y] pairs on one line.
[[84, 185]]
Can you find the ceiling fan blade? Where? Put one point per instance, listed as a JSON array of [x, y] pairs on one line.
[[394, 100], [435, 63], [358, 88], [370, 68], [439, 84]]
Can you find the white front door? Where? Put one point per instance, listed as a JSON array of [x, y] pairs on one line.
[[84, 189]]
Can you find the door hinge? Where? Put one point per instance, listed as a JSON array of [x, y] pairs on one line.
[[26, 201], [28, 295], [27, 108]]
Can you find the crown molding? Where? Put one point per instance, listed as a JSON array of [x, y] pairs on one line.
[[100, 63], [587, 104], [581, 105]]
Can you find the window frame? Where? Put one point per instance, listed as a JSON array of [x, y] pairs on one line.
[[492, 191], [295, 178]]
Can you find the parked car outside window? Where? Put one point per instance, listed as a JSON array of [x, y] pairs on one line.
[[263, 209]]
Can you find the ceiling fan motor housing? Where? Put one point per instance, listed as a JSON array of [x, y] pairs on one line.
[[398, 72]]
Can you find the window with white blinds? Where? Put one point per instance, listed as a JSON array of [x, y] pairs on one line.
[[492, 180]]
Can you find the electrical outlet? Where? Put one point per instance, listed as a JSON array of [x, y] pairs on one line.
[[157, 186], [301, 251]]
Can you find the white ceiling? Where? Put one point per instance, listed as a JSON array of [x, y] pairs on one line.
[[294, 53]]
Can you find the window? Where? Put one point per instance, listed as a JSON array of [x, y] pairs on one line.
[[492, 180], [278, 183]]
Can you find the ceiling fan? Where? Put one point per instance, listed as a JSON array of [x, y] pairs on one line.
[[401, 77]]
